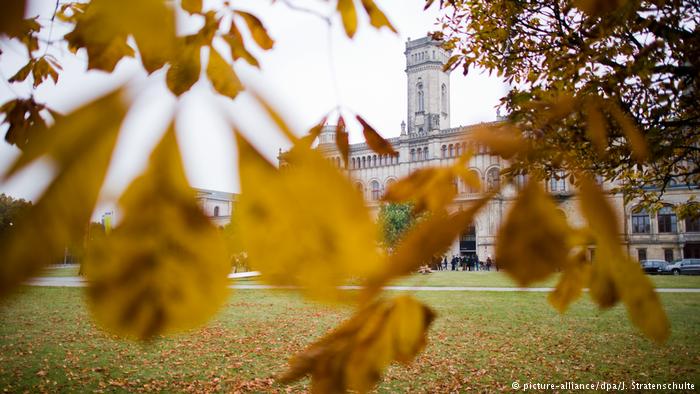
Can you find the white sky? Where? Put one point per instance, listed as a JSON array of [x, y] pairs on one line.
[[296, 76]]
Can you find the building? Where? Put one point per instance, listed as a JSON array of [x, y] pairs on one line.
[[427, 139], [216, 205]]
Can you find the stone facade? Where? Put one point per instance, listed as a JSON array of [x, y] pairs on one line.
[[430, 141], [218, 206]]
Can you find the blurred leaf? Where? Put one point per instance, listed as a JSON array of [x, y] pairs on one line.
[[348, 14], [313, 134], [341, 140], [80, 145], [503, 140], [164, 268], [375, 141], [614, 273], [431, 188], [640, 151], [192, 6], [238, 49], [376, 16], [257, 30], [570, 287], [222, 75], [105, 25], [12, 16], [596, 127], [185, 69], [530, 253], [23, 72], [25, 122], [338, 241], [355, 354], [599, 7]]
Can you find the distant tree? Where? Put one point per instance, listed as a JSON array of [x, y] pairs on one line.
[[395, 220], [11, 211], [584, 74]]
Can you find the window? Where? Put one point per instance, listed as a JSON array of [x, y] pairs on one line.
[[667, 220], [388, 183], [692, 225], [591, 254], [375, 190], [443, 98], [444, 151], [425, 153], [360, 188], [668, 255], [419, 95], [459, 150], [413, 154], [363, 163], [493, 180], [353, 163], [520, 181], [641, 254], [641, 222], [216, 211], [374, 160], [469, 188], [557, 183], [451, 150]]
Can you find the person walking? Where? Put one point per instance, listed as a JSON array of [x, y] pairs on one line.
[[488, 263]]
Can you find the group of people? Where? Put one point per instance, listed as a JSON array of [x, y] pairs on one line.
[[465, 263]]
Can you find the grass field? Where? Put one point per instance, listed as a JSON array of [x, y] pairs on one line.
[[479, 342]]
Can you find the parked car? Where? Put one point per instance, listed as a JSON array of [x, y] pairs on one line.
[[683, 267], [653, 266]]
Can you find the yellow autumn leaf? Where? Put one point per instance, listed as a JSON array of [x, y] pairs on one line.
[[105, 25], [184, 70], [570, 286], [530, 253], [222, 75], [638, 144], [313, 133], [334, 238], [375, 141], [342, 140], [192, 6], [355, 354], [614, 274], [11, 16], [164, 268], [234, 39], [80, 146], [348, 14], [596, 127], [431, 188], [376, 16], [503, 140], [257, 30]]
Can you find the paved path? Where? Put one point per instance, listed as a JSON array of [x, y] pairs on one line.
[[76, 281]]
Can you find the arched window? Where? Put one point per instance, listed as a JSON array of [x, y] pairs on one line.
[[469, 188], [459, 150], [493, 179], [413, 154], [374, 160], [444, 151], [451, 150], [692, 225], [640, 222], [216, 211], [353, 163], [388, 183], [557, 183], [443, 98], [376, 191], [520, 181], [364, 164], [421, 102], [426, 156], [667, 220]]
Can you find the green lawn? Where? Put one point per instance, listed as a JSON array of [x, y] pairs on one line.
[[58, 270], [481, 341]]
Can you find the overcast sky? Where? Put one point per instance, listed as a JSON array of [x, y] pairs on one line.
[[297, 76]]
